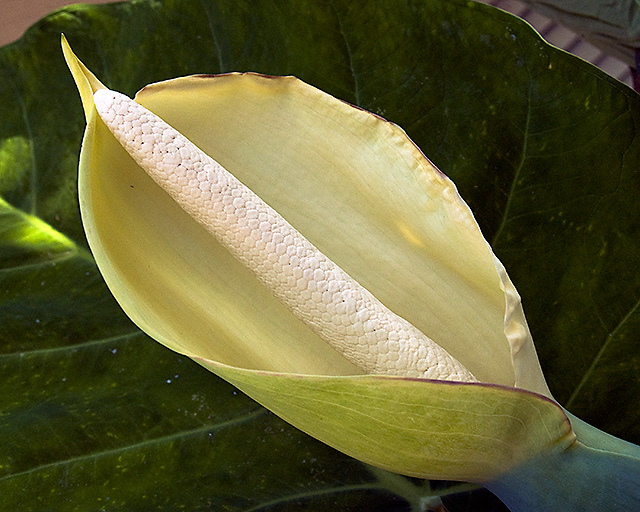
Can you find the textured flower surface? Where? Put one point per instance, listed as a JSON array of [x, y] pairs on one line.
[[306, 251]]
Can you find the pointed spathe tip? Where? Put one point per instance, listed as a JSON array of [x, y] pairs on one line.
[[85, 80]]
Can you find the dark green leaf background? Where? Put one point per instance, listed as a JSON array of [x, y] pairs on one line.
[[96, 416]]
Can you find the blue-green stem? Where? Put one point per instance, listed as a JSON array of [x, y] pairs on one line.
[[598, 472]]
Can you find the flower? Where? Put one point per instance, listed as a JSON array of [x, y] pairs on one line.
[[357, 188]]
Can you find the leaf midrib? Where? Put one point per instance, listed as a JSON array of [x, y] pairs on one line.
[[253, 414], [596, 360]]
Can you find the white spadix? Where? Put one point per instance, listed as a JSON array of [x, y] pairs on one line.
[[312, 286]]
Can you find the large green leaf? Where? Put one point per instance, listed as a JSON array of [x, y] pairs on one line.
[[95, 416]]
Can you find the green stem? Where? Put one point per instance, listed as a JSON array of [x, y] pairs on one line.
[[597, 473]]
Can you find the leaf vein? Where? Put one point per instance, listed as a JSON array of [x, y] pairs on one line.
[[349, 51], [518, 170], [142, 444], [596, 360]]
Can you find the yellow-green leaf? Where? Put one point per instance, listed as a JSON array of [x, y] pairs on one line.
[[427, 429]]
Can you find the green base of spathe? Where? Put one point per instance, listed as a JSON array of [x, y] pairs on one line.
[[597, 473]]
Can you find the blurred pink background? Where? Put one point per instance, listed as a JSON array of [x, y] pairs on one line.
[[17, 15]]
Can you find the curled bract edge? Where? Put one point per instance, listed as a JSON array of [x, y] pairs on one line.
[[360, 190]]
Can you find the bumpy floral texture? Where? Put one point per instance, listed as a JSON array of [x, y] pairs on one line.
[[314, 288]]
